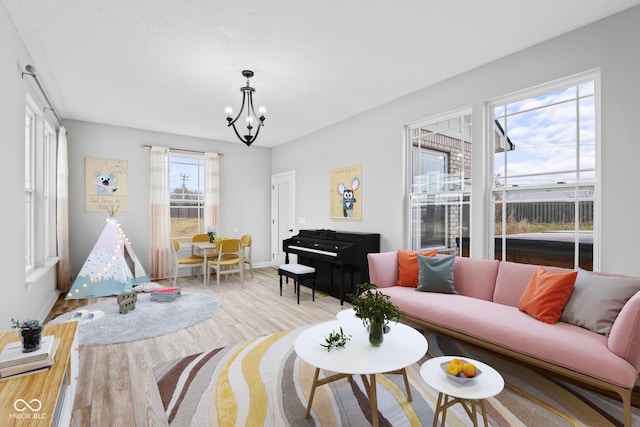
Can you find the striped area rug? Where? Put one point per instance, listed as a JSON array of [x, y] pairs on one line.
[[262, 382]]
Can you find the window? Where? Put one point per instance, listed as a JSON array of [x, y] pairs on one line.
[[186, 198], [544, 174], [29, 189], [440, 183], [40, 147]]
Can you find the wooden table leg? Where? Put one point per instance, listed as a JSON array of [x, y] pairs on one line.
[[205, 274], [313, 391], [406, 384], [373, 398], [318, 382], [402, 372], [484, 413], [474, 411], [372, 393], [469, 406]]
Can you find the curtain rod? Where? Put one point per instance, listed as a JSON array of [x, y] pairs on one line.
[[30, 70], [183, 150]]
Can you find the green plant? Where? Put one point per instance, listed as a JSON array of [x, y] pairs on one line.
[[372, 306], [26, 324], [211, 232], [336, 340]]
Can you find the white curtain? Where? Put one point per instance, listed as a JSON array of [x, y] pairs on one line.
[[63, 271], [212, 191], [160, 223]]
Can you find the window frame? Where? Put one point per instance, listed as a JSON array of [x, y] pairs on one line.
[[40, 191], [30, 187], [201, 186], [456, 193], [578, 187]]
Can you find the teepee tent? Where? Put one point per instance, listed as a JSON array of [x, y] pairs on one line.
[[111, 268]]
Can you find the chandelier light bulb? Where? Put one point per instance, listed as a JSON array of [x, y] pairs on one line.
[[262, 111], [249, 120], [228, 111]]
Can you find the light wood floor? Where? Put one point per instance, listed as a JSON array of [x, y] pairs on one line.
[[117, 386]]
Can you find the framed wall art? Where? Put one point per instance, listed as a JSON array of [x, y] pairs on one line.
[[346, 193], [106, 185]]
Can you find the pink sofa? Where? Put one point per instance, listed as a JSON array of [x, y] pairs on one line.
[[485, 312]]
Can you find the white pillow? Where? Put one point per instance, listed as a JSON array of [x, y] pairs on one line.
[[596, 300], [147, 287]]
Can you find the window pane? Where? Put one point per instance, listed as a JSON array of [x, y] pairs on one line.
[[540, 226], [545, 145], [440, 159], [186, 197], [544, 100], [440, 221], [545, 140], [548, 142], [29, 196], [586, 223], [587, 137]]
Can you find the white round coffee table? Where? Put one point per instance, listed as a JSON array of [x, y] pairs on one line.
[[486, 385], [401, 347], [348, 315]]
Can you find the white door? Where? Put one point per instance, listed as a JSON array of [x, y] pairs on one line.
[[283, 203]]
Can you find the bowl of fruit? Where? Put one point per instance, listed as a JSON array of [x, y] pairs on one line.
[[460, 370]]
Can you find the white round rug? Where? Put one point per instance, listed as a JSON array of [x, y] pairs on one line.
[[149, 319]]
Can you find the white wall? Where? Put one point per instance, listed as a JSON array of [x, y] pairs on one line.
[[17, 300], [244, 187], [375, 139]]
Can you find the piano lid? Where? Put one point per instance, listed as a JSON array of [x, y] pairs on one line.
[[326, 234]]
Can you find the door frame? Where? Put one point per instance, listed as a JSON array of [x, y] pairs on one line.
[[290, 177]]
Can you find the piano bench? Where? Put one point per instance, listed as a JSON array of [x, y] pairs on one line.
[[298, 272]]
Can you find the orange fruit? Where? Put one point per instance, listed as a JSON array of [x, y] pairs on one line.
[[455, 366], [453, 369], [469, 370]]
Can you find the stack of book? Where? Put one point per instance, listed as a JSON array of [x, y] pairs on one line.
[[14, 363], [165, 294]]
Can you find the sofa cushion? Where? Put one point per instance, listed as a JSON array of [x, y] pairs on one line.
[[383, 268], [546, 294], [596, 300], [408, 267], [561, 344], [436, 274], [513, 278], [475, 277]]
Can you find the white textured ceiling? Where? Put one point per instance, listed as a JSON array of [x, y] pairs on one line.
[[174, 65]]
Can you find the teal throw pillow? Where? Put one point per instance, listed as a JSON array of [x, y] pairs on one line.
[[435, 274]]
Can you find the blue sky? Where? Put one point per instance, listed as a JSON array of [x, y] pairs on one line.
[[189, 167], [544, 131]]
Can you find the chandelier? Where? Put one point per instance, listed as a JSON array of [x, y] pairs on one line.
[[250, 115]]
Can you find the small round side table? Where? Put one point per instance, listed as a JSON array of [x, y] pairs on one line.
[[469, 395]]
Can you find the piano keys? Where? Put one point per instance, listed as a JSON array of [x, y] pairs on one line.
[[331, 251]]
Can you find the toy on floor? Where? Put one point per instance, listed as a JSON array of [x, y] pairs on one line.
[[127, 301]]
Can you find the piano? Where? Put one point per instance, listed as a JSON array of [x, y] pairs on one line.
[[331, 251]]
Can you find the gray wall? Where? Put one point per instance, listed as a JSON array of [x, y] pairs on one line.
[[245, 175], [375, 139]]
